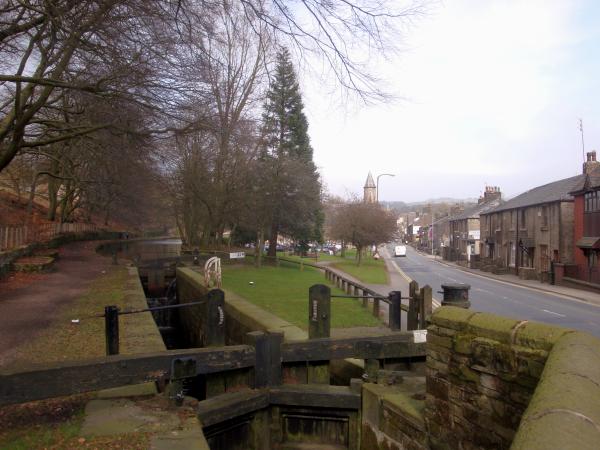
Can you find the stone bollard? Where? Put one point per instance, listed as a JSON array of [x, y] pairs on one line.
[[456, 295]]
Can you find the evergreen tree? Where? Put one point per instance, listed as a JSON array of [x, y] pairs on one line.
[[296, 206]]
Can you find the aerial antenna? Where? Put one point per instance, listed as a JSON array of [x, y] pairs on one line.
[[582, 142]]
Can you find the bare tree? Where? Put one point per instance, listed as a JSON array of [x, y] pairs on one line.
[[363, 224]]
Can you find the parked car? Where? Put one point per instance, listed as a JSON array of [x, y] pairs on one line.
[[400, 250]]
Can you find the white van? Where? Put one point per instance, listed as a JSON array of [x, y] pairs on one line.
[[400, 250]]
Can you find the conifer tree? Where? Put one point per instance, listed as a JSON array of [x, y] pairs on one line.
[[296, 210]]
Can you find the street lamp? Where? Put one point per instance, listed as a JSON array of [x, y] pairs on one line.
[[377, 187]]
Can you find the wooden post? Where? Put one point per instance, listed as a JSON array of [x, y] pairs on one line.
[[395, 309], [375, 306], [215, 320], [319, 311], [111, 327], [319, 326], [425, 306], [214, 336], [267, 368], [365, 301], [413, 306], [372, 366]]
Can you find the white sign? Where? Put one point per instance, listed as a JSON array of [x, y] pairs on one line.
[[420, 336], [237, 255], [475, 234]]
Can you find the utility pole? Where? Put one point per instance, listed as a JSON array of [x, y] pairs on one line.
[[582, 142], [377, 186]]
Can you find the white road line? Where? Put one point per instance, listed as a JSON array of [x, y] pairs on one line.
[[508, 283], [552, 312], [434, 302]]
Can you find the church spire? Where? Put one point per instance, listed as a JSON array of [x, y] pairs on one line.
[[370, 190]]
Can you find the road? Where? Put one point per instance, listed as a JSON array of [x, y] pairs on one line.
[[499, 297]]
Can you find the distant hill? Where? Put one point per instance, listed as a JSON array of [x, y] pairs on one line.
[[403, 207]]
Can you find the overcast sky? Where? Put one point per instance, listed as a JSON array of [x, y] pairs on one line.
[[494, 92]]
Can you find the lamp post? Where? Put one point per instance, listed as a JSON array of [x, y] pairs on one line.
[[377, 187]]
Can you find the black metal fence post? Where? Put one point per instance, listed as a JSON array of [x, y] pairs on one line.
[[395, 309], [111, 324]]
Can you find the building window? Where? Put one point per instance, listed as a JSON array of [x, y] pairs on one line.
[[544, 216], [522, 221], [592, 201]]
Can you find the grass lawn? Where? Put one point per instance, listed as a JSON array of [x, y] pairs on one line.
[[370, 271], [283, 291]]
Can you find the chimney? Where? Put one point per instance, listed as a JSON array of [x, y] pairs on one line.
[[591, 162], [491, 193]]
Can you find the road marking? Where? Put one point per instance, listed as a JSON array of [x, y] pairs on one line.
[[508, 283], [552, 312], [434, 302]]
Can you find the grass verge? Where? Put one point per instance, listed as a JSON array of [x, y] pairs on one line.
[[370, 271], [283, 291]]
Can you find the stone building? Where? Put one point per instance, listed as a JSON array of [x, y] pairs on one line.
[[526, 233], [587, 223], [370, 190], [464, 227]]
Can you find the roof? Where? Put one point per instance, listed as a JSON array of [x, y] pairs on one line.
[[590, 181], [557, 191], [475, 211], [588, 242], [369, 183]]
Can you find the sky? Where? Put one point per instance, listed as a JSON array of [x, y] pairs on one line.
[[491, 94]]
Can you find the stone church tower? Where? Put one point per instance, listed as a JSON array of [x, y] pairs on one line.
[[370, 190]]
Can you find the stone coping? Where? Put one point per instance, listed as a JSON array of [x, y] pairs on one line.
[[564, 411], [138, 332]]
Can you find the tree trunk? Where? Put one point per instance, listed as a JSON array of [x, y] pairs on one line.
[[359, 251], [32, 196], [273, 241], [260, 237]]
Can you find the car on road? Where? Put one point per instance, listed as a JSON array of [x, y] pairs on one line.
[[400, 250]]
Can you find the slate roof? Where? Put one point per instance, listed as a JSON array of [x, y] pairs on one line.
[[592, 181], [475, 211], [548, 193]]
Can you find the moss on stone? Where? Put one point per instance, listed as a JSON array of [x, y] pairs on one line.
[[463, 343], [539, 335], [452, 317], [492, 326]]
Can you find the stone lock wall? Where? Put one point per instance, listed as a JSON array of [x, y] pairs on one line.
[[482, 371], [190, 288]]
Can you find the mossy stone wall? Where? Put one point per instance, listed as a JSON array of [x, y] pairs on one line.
[[487, 373]]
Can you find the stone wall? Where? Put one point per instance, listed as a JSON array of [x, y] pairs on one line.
[[564, 412], [483, 372], [190, 288]]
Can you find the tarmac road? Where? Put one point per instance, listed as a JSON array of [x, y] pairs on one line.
[[499, 297]]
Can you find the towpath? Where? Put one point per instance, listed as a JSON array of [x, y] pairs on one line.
[[29, 304]]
